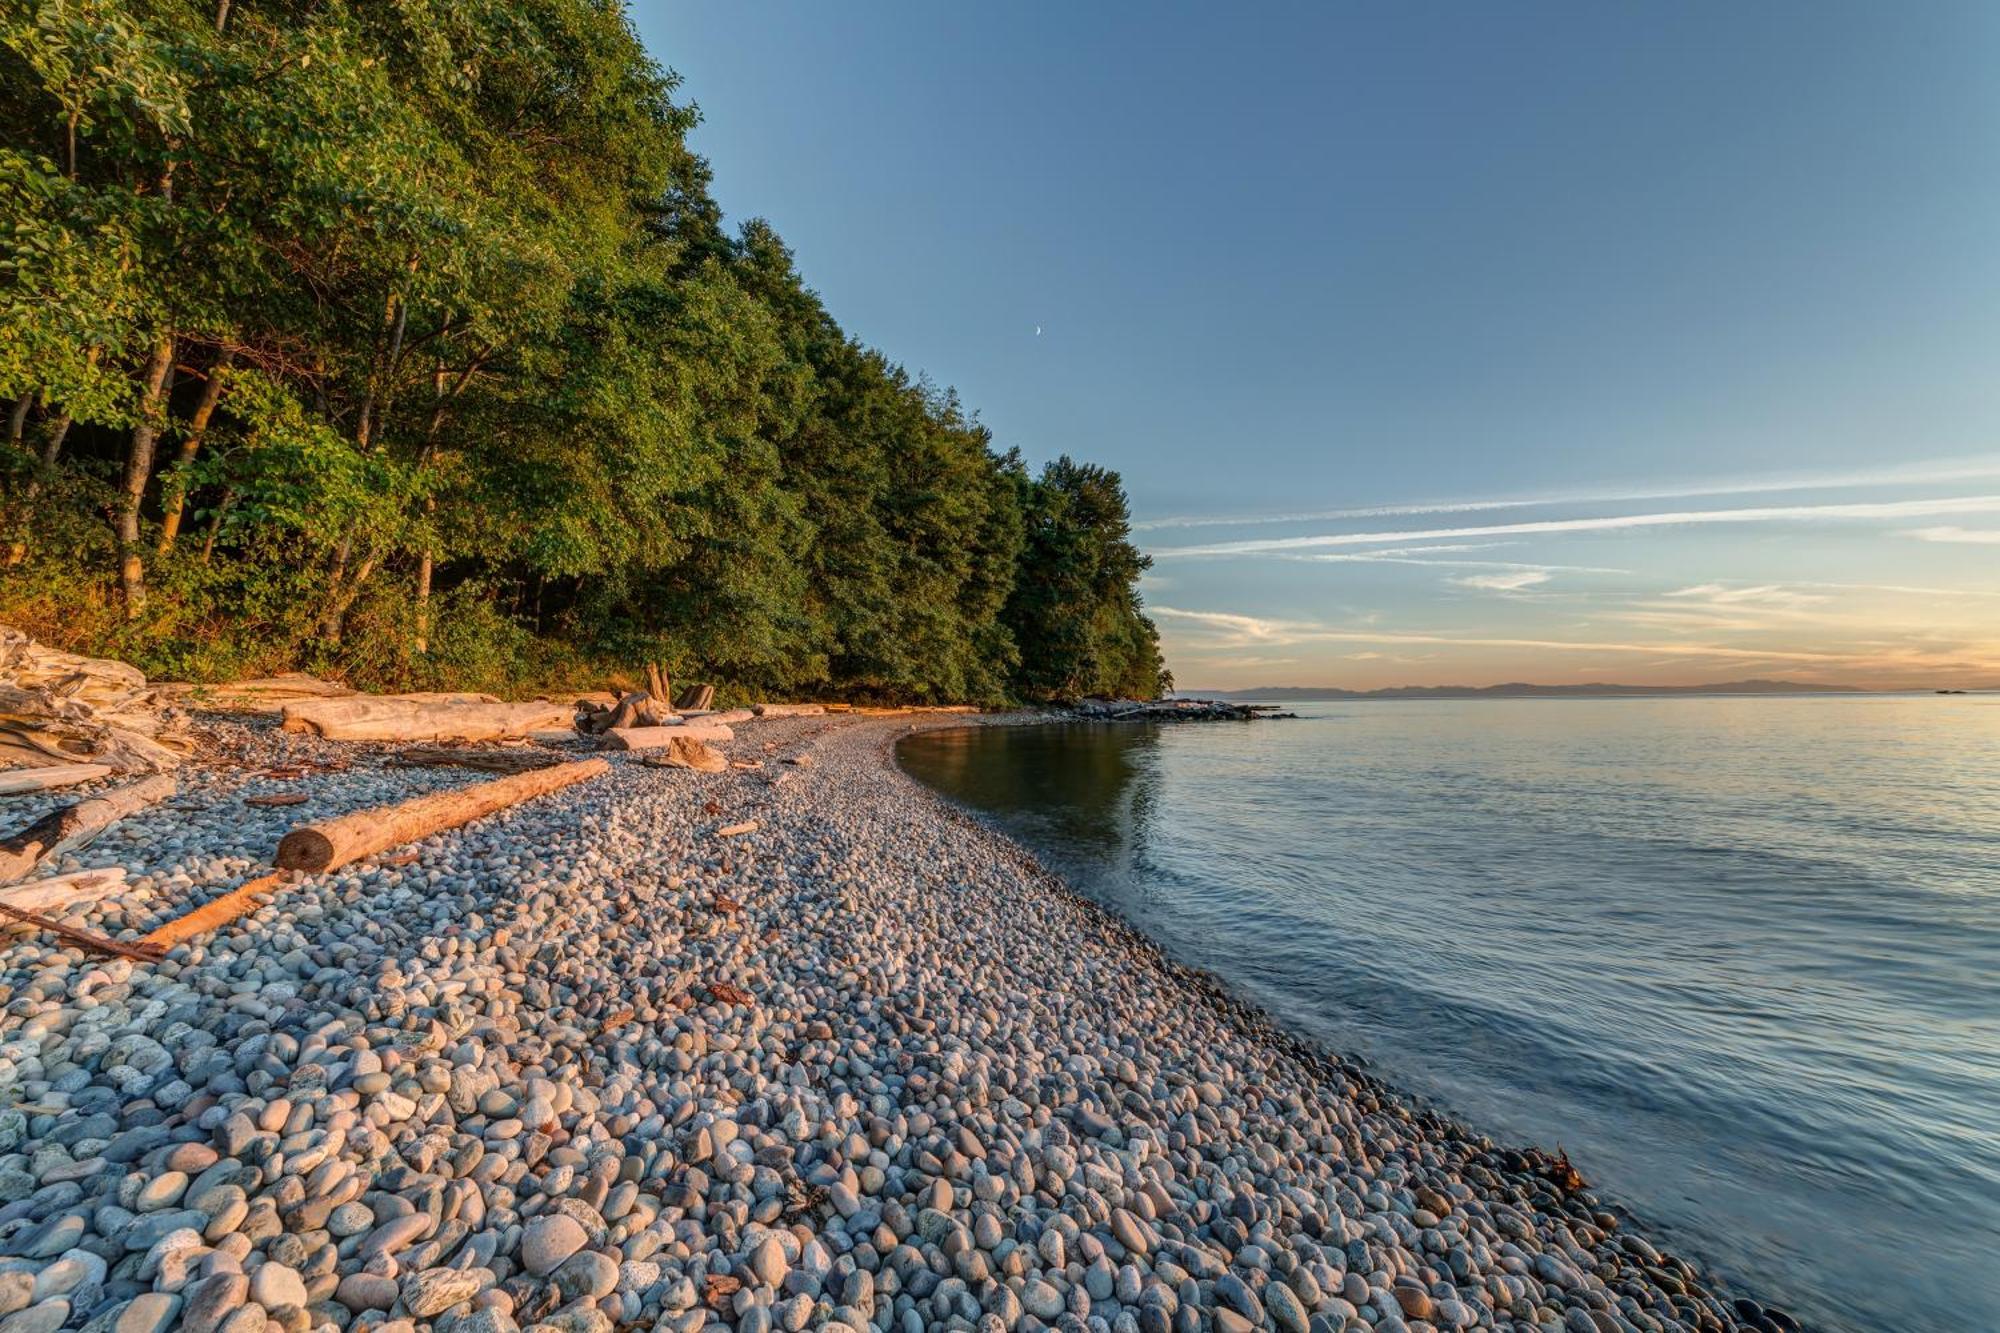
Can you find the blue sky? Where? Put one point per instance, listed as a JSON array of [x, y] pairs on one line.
[[1325, 282]]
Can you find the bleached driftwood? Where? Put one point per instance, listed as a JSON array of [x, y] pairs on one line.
[[636, 709], [72, 826], [647, 738], [14, 781], [695, 698], [335, 842], [788, 710], [374, 718], [62, 892], [264, 694], [62, 708]]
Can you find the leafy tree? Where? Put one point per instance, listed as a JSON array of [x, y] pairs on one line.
[[406, 342]]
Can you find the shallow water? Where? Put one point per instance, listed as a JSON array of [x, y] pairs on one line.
[[1740, 957]]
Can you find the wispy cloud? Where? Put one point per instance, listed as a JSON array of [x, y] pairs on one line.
[[1421, 556], [1914, 474], [1882, 509], [1754, 594], [1246, 631], [1512, 581], [1973, 536]]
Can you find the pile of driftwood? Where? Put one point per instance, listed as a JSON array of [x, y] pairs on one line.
[[682, 730], [87, 715]]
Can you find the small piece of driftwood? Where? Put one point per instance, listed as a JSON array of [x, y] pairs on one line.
[[83, 939]]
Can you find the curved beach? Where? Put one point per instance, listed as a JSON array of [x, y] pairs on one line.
[[588, 1065]]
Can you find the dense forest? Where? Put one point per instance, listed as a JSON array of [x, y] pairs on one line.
[[405, 343]]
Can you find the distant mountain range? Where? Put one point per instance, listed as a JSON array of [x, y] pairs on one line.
[[1519, 690]]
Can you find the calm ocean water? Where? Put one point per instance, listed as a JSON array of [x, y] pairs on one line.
[[1741, 957]]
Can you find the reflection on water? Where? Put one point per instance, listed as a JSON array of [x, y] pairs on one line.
[[1737, 955]]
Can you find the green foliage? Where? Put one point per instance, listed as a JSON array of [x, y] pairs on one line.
[[496, 402]]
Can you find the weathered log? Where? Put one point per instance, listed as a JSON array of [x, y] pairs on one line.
[[486, 761], [385, 719], [17, 780], [59, 892], [72, 826], [727, 717], [788, 710], [648, 738], [656, 685], [211, 915], [264, 694], [335, 842], [695, 698]]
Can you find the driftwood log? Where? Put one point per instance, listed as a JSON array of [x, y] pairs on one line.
[[384, 719], [213, 914], [61, 892], [14, 781], [486, 761], [649, 738], [74, 825], [695, 698], [335, 842], [656, 684], [727, 717], [788, 710]]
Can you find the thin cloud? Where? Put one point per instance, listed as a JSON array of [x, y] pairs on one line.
[[1286, 633], [1514, 581], [1972, 536], [1916, 474], [1752, 595], [1418, 555], [1884, 509]]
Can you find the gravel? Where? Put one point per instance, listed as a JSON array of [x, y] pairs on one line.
[[586, 1067]]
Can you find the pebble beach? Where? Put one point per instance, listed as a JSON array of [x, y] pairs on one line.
[[588, 1066]]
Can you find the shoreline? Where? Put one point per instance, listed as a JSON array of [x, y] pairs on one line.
[[868, 1064]]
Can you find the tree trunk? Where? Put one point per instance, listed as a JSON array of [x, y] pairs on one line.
[[176, 500], [343, 600], [17, 421], [215, 523], [138, 469], [52, 443], [424, 600]]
